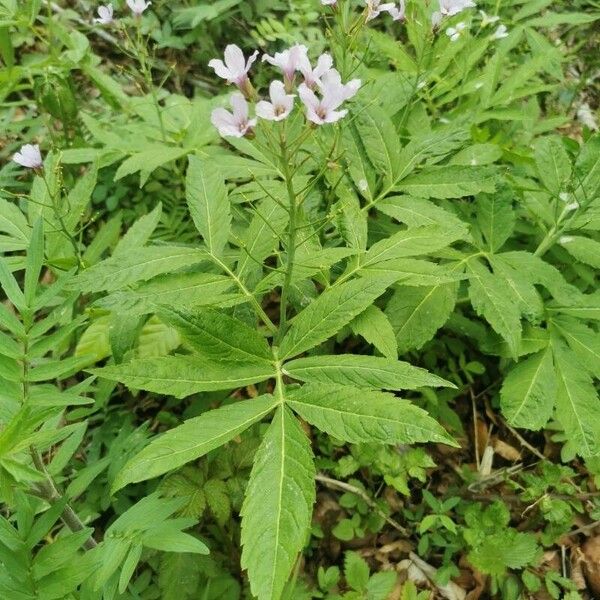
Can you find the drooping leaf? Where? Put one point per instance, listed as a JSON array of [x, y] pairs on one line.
[[208, 203], [278, 505], [183, 375], [362, 372], [193, 439], [529, 391], [358, 415]]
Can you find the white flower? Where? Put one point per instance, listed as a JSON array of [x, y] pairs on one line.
[[500, 33], [289, 62], [328, 2], [280, 106], [448, 8], [235, 68], [236, 124], [455, 32], [572, 206], [138, 6], [313, 76], [105, 15], [586, 116], [488, 19], [375, 8], [29, 156], [333, 94]]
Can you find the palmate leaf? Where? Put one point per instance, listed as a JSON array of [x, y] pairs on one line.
[[577, 403], [529, 391], [362, 372], [183, 375], [358, 415], [277, 508], [326, 315], [193, 439], [217, 336], [416, 313], [140, 264], [208, 202]]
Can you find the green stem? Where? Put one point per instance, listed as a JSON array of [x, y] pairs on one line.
[[291, 243]]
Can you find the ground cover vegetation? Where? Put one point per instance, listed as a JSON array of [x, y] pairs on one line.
[[299, 300]]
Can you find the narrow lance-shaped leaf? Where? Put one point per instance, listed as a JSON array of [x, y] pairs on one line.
[[208, 203], [278, 506], [218, 336], [183, 375], [358, 416], [363, 372], [326, 315], [193, 439], [529, 391]]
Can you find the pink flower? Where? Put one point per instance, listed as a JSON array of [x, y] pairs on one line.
[[289, 62], [235, 68], [313, 76], [105, 15], [236, 124], [375, 8], [453, 7], [29, 156], [280, 106], [333, 94], [138, 6]]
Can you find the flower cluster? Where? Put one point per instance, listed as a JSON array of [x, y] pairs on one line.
[[449, 8], [321, 91], [106, 11]]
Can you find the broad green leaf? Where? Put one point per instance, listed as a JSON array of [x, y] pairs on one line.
[[208, 202], [34, 261], [416, 313], [326, 315], [278, 505], [139, 233], [496, 218], [477, 154], [414, 272], [451, 181], [577, 403], [217, 336], [553, 164], [582, 248], [148, 161], [262, 237], [551, 19], [363, 416], [178, 290], [376, 329], [410, 242], [587, 167], [362, 372], [583, 340], [529, 391], [493, 301], [183, 375], [139, 265], [380, 140], [193, 439]]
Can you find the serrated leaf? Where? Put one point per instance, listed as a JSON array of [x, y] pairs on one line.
[[492, 301], [577, 403], [356, 571], [193, 439], [208, 202], [326, 315], [363, 416], [183, 375], [414, 272], [496, 218], [582, 248], [359, 371], [553, 164], [450, 181], [529, 391], [139, 233], [277, 508], [376, 329], [139, 265], [583, 340], [217, 336], [417, 313]]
